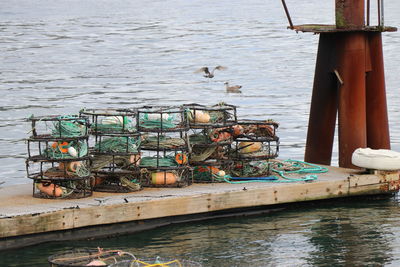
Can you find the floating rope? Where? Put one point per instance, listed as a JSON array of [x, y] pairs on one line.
[[118, 144]]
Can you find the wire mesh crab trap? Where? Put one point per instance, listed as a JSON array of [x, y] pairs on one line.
[[161, 119], [165, 168], [166, 176], [159, 262], [89, 257], [220, 115], [165, 141], [255, 140], [116, 182], [111, 120], [50, 127], [115, 159], [208, 171], [242, 169]]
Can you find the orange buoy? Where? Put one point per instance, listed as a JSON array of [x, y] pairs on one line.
[[63, 147], [181, 158], [164, 178], [50, 189]]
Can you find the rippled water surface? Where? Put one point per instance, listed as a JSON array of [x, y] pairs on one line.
[[60, 56]]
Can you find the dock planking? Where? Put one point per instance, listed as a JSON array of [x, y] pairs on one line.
[[23, 217]]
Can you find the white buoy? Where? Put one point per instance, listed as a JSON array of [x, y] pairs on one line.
[[72, 152], [376, 159]]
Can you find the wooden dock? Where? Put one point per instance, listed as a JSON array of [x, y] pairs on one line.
[[25, 220]]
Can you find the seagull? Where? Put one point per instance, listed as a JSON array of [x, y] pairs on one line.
[[232, 89], [207, 72]]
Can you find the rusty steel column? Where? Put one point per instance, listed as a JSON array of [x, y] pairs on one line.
[[352, 96], [321, 124], [377, 117], [349, 13]]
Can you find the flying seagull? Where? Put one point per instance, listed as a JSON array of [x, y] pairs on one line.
[[207, 72], [232, 89]]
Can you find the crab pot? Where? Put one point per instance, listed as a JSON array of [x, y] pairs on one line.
[[88, 257], [156, 262], [256, 129], [258, 149], [116, 182], [65, 169], [62, 189], [166, 177], [203, 172], [47, 127], [58, 149], [220, 115], [165, 141], [250, 168], [210, 136], [111, 120], [161, 119], [202, 153], [164, 158], [117, 143]]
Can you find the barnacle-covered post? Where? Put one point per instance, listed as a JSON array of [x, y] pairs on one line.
[[349, 81]]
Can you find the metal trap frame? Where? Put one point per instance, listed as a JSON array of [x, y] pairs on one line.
[[161, 119], [216, 116], [104, 121]]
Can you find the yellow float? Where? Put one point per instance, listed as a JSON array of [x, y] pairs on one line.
[[249, 147]]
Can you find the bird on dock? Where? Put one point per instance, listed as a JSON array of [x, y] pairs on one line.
[[207, 72], [232, 89]]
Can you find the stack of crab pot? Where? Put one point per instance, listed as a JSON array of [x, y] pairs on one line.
[[255, 144], [116, 152], [210, 138], [58, 160], [164, 161]]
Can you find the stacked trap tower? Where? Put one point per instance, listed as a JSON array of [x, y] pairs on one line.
[[349, 81], [58, 159], [165, 148], [115, 155], [210, 139]]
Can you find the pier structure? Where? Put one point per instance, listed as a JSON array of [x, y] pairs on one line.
[[349, 83]]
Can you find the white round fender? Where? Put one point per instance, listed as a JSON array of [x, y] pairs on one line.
[[377, 159]]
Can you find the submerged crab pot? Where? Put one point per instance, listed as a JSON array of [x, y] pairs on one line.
[[50, 127], [166, 176], [143, 262], [88, 257], [103, 121], [220, 115], [115, 160], [161, 119], [208, 171]]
